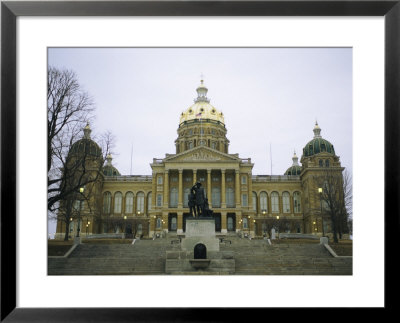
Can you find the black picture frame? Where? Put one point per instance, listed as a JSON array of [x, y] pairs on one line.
[[10, 10]]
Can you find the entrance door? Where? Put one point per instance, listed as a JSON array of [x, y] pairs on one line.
[[217, 218], [172, 222], [231, 222]]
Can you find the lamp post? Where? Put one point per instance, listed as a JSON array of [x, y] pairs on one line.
[[322, 218], [277, 219], [79, 211]]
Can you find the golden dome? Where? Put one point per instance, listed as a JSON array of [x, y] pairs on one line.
[[202, 108]]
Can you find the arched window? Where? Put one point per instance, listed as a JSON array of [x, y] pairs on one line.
[[327, 163], [230, 197], [158, 223], [286, 202], [149, 198], [254, 195], [296, 202], [107, 203], [118, 202], [245, 223], [140, 202], [275, 202], [321, 163], [129, 202], [173, 199], [216, 197], [263, 202]]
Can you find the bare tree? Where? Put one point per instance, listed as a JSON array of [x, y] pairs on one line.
[[336, 197], [69, 108]]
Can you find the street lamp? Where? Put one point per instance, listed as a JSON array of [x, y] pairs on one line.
[[322, 218], [79, 211]]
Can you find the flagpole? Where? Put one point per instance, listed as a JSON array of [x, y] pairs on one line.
[[131, 157]]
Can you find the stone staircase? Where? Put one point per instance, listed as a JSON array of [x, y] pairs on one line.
[[252, 257], [257, 257], [144, 257]]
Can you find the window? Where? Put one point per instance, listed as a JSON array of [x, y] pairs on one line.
[[118, 202], [323, 148], [275, 202], [78, 205], [229, 179], [190, 132], [244, 200], [190, 144], [174, 179], [188, 179], [286, 202], [296, 202], [107, 202], [230, 197], [244, 179], [245, 223], [216, 197], [159, 199], [201, 132], [202, 142], [215, 179], [173, 200], [159, 179], [149, 198], [263, 202], [129, 202], [327, 163], [320, 163], [158, 223], [254, 195], [140, 202], [186, 193]]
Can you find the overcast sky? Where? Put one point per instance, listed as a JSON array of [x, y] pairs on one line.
[[270, 97]]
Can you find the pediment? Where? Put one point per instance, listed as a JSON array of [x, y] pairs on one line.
[[201, 154]]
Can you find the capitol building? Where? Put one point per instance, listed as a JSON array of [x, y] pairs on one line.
[[242, 202]]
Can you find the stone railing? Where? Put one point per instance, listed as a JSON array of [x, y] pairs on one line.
[[275, 178], [128, 178]]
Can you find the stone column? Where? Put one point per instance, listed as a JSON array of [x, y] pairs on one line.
[[223, 193], [194, 176], [224, 223], [154, 191], [250, 197], [165, 221], [237, 188], [180, 191], [209, 187], [166, 189], [180, 223]]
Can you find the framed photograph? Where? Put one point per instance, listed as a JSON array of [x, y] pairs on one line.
[[35, 34]]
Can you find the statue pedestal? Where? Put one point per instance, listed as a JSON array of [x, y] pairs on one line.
[[200, 230]]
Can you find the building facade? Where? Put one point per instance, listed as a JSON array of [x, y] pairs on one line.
[[242, 202]]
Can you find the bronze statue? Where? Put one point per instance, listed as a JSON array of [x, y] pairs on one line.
[[192, 203], [199, 197]]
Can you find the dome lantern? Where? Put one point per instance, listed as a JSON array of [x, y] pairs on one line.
[[317, 130], [202, 93], [295, 159], [87, 131]]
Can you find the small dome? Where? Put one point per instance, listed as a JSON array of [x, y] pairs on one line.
[[109, 169], [86, 145], [202, 109], [317, 144], [295, 169]]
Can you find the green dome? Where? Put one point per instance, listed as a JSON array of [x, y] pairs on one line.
[[317, 144], [295, 169], [109, 169], [85, 147]]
